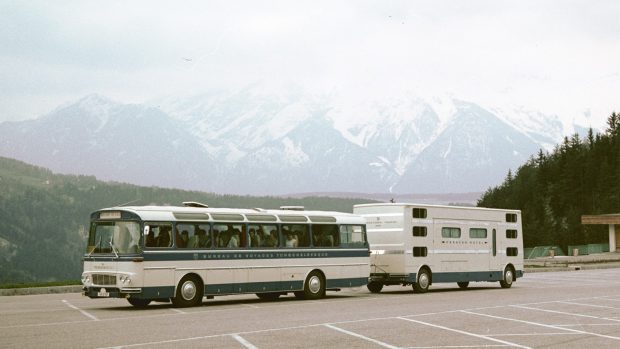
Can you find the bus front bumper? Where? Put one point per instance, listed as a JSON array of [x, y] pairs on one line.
[[110, 292]]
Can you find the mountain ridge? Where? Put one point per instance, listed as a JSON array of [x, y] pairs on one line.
[[246, 142]]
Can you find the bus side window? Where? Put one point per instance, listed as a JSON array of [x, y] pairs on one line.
[[159, 235], [352, 236], [325, 235]]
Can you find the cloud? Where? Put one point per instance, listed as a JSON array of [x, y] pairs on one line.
[[559, 56]]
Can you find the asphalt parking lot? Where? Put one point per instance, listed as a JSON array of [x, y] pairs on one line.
[[552, 310]]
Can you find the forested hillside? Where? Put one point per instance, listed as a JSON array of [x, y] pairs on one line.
[[42, 213], [581, 176]]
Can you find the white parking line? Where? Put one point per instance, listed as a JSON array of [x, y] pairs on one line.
[[465, 333], [588, 305], [564, 313], [179, 311], [243, 341], [91, 316], [543, 325], [383, 344]]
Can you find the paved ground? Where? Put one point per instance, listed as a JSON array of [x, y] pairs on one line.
[[552, 310]]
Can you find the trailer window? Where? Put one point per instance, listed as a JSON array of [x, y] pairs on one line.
[[419, 231], [511, 234], [512, 251], [419, 251], [477, 233], [511, 217], [419, 212], [448, 232]]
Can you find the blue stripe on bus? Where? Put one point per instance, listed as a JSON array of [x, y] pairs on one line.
[[162, 292], [180, 255]]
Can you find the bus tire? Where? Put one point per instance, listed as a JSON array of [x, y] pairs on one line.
[[189, 292], [375, 286], [139, 302], [463, 284], [268, 296], [314, 287], [423, 282], [508, 278]]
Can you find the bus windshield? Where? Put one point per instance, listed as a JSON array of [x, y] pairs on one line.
[[114, 237]]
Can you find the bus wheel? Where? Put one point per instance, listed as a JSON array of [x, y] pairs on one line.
[[508, 278], [139, 302], [463, 284], [189, 292], [424, 280], [314, 287], [375, 286], [269, 296]]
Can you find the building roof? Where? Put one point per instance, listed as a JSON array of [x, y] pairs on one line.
[[613, 218]]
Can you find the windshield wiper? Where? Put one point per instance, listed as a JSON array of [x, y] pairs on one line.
[[113, 248], [94, 248]]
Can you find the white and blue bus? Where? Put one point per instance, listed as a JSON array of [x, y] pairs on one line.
[[182, 254], [418, 245]]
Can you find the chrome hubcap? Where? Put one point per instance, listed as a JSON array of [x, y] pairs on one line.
[[314, 284], [188, 290], [509, 277], [423, 280]]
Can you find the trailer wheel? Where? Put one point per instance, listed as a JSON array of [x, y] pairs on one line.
[[508, 278], [424, 281], [375, 286]]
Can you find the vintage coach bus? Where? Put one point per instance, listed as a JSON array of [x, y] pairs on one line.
[[182, 254]]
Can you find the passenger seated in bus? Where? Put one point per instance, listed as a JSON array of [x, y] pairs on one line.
[[150, 240], [233, 242], [181, 239], [254, 238], [271, 240], [291, 241], [163, 240]]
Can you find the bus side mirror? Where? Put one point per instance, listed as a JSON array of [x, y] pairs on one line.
[[147, 229]]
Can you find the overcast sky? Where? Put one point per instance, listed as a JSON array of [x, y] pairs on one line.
[[559, 57]]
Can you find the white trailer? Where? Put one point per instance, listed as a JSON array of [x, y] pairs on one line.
[[418, 245]]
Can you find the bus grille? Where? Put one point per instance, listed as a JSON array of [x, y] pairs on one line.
[[104, 279]]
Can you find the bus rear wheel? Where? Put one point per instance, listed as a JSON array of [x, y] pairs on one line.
[[424, 281], [189, 292], [314, 287], [508, 278], [375, 286], [463, 284], [139, 302]]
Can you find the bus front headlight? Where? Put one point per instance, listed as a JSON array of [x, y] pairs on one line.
[[85, 279], [125, 279]]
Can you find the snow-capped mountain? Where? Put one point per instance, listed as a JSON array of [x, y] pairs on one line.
[[252, 142]]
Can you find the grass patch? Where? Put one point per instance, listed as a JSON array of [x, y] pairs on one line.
[[42, 284]]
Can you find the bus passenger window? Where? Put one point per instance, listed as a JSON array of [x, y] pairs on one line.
[[268, 236], [325, 235], [159, 235], [183, 234], [352, 236], [295, 235]]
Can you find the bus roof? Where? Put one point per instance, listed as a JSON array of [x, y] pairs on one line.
[[185, 213]]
